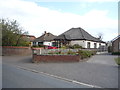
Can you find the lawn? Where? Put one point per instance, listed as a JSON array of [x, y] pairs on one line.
[[117, 60]]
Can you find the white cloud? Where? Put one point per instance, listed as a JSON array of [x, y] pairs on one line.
[[74, 0], [37, 19]]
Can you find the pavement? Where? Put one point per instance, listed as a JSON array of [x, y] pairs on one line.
[[100, 70]]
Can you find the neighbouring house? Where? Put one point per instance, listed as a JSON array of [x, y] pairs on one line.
[[116, 44], [79, 36], [29, 38], [45, 39]]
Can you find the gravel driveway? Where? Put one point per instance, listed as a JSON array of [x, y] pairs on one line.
[[100, 70]]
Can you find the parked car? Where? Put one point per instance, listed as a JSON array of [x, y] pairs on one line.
[[51, 47]]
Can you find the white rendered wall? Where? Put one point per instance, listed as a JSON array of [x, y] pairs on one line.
[[103, 44], [80, 42], [47, 43]]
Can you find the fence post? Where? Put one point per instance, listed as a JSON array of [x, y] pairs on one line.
[[40, 51]]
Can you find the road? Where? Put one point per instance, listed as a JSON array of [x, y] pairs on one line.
[[14, 77], [99, 70]]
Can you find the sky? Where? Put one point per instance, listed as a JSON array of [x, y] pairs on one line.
[[58, 16]]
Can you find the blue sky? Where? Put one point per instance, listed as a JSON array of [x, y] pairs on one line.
[[37, 16], [82, 7]]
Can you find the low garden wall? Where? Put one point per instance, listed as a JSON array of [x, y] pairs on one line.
[[15, 50], [55, 58], [61, 55]]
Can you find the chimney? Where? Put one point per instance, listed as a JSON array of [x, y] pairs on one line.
[[45, 32]]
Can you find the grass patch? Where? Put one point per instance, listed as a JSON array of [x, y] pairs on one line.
[[117, 60]]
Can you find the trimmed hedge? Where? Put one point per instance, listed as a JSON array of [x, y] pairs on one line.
[[115, 53]]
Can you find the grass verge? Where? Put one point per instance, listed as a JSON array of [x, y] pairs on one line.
[[117, 60]]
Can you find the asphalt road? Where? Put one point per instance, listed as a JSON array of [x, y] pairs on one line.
[[14, 77], [99, 70]]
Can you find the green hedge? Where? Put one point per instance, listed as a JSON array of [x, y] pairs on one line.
[[115, 53]]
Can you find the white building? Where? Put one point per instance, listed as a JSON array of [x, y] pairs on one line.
[[45, 39], [79, 36]]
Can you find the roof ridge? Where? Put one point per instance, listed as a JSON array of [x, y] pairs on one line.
[[81, 32], [115, 38]]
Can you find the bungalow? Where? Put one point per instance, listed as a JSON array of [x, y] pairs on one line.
[[79, 36], [116, 44], [45, 39]]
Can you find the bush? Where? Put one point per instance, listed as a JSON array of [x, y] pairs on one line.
[[71, 53], [63, 47], [75, 46], [57, 52], [69, 47], [85, 54], [93, 52]]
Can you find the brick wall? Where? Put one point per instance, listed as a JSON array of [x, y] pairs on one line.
[[56, 58], [115, 45], [13, 50]]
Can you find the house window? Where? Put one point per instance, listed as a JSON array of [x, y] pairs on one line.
[[88, 44], [34, 43], [54, 44], [99, 44], [95, 45], [40, 43]]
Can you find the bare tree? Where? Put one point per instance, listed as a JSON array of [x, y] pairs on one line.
[[100, 36]]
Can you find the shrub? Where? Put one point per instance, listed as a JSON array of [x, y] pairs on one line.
[[69, 47], [85, 54], [93, 52], [75, 46], [51, 53], [71, 53], [57, 52], [63, 47]]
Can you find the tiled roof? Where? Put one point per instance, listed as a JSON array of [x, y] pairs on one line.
[[45, 37], [77, 34], [116, 38]]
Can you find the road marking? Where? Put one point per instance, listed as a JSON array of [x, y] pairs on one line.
[[58, 77]]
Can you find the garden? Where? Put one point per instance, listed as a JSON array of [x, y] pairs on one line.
[[82, 53]]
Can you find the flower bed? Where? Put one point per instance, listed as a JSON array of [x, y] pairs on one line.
[[55, 56]]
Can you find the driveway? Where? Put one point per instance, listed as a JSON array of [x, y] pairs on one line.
[[99, 70]]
